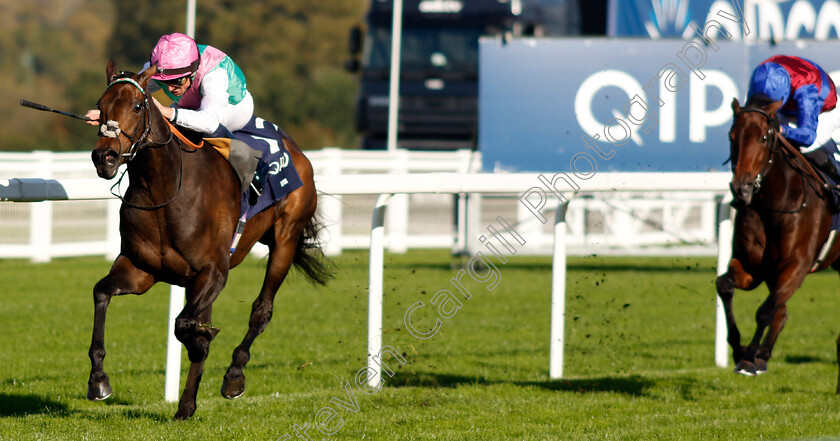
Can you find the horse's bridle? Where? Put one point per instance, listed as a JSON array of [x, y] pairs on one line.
[[769, 138], [111, 130], [774, 138]]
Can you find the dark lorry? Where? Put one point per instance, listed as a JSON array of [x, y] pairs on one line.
[[439, 63]]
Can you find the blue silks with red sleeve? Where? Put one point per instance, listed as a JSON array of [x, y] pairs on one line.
[[803, 86]]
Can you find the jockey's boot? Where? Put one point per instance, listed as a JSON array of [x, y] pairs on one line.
[[260, 176], [258, 183]]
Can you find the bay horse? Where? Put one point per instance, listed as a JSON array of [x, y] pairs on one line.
[[782, 223], [177, 221]]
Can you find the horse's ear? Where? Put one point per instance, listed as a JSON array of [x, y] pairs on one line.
[[111, 71], [736, 107], [146, 75], [774, 107]]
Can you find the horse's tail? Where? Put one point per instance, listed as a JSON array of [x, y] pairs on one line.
[[309, 257]]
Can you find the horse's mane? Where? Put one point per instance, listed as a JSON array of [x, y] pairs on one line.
[[758, 101], [124, 74]]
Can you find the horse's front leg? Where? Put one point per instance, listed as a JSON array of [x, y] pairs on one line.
[[193, 329], [735, 277], [765, 351], [124, 278], [773, 314]]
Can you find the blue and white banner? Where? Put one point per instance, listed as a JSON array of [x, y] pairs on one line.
[[618, 104], [766, 19]]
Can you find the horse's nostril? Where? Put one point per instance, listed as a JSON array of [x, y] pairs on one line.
[[111, 156]]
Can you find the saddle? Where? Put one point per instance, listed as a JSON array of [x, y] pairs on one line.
[[825, 161]]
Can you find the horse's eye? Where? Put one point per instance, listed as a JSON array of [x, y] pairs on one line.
[[138, 107]]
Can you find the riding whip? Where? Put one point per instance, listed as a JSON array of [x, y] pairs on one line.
[[37, 106]]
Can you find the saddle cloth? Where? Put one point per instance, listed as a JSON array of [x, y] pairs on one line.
[[268, 162], [275, 168], [263, 160]]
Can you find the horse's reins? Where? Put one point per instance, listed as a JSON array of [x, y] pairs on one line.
[[111, 130], [809, 168], [825, 185]]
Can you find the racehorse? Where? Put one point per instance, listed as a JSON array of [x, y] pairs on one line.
[[781, 230], [177, 220]]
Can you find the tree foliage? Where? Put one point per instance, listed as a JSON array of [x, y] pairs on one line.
[[291, 51]]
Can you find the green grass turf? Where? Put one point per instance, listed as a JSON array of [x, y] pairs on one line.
[[638, 358]]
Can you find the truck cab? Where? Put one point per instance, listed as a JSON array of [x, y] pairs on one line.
[[438, 108]]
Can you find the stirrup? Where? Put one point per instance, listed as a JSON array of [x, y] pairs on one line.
[[256, 190]]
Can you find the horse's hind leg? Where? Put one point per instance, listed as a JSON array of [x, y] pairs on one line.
[[124, 278], [279, 261]]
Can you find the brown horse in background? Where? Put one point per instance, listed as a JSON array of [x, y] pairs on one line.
[[177, 223], [782, 222]]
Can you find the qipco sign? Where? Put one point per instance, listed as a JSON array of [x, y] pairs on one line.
[[778, 20], [625, 104]]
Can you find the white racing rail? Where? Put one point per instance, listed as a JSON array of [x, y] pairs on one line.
[[387, 185]]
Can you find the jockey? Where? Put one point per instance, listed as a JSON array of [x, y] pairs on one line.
[[809, 100], [207, 88]]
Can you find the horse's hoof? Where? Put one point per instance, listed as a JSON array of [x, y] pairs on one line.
[[745, 367], [233, 388], [183, 414], [99, 391], [760, 366]]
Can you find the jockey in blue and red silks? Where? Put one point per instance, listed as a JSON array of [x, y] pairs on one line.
[[809, 100]]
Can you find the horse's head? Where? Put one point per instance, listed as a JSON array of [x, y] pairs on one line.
[[751, 143], [125, 119]]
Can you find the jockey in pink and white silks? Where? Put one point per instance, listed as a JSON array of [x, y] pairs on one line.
[[217, 92], [207, 88], [809, 113]]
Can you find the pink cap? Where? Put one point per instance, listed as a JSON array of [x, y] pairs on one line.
[[176, 55]]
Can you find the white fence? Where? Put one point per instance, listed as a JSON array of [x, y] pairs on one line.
[[623, 222], [429, 183]]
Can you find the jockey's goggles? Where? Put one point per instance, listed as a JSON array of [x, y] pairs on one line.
[[177, 81], [180, 70]]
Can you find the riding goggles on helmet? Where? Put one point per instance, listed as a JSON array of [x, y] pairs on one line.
[[179, 71]]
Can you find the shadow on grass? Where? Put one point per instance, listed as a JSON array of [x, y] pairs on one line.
[[158, 417], [632, 385], [431, 380], [28, 404], [804, 359]]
